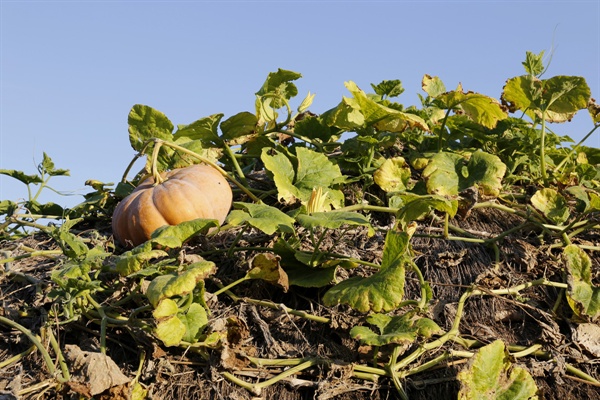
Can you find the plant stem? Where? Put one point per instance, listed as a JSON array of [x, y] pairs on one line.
[[543, 148], [41, 348]]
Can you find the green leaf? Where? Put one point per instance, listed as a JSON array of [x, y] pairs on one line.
[[433, 86], [414, 207], [21, 176], [333, 220], [135, 259], [397, 329], [581, 196], [280, 82], [7, 207], [313, 170], [146, 123], [582, 295], [393, 175], [481, 109], [195, 320], [178, 284], [49, 208], [387, 88], [552, 204], [204, 130], [238, 126], [300, 274], [174, 236], [534, 63], [490, 375], [72, 245], [382, 291], [447, 174], [266, 218], [315, 128], [47, 166]]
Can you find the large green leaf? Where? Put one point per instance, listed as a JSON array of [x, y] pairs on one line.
[[395, 329], [146, 123], [238, 127], [315, 128], [266, 218], [490, 376], [414, 207], [382, 291], [582, 295], [313, 170], [174, 236], [204, 130], [21, 176], [448, 174]]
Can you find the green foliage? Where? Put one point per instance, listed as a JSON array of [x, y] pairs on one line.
[[398, 329], [304, 197], [382, 291]]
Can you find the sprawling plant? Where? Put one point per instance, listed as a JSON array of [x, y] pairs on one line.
[[297, 183]]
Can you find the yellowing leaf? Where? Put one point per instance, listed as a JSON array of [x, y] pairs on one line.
[[481, 109], [552, 204], [170, 331], [582, 295], [557, 99], [490, 375], [382, 117], [448, 173], [392, 175], [266, 266]]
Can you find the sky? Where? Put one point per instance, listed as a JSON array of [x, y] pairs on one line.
[[70, 71]]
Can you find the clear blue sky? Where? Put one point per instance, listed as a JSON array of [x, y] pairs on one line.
[[71, 70]]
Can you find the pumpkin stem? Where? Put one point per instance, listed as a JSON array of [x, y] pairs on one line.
[[157, 178]]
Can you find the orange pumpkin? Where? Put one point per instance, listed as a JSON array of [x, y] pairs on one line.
[[197, 191]]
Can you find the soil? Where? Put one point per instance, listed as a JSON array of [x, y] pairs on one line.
[[534, 317]]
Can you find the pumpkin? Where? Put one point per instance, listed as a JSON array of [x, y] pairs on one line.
[[197, 191]]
